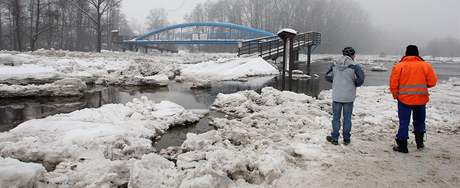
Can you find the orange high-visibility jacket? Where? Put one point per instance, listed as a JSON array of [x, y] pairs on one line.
[[410, 80]]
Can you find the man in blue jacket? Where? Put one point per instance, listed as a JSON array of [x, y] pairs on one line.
[[345, 76]]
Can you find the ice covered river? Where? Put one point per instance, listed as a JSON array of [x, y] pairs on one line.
[[17, 110]]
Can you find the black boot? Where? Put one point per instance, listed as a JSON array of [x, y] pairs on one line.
[[331, 140], [419, 140], [402, 146]]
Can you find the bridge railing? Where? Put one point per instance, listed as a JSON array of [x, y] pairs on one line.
[[273, 46]]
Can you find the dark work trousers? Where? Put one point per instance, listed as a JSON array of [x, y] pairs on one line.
[[404, 113]]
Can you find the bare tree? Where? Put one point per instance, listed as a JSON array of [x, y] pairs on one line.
[[157, 18], [17, 11], [100, 7], [36, 28], [1, 27]]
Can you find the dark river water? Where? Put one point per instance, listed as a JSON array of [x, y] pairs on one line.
[[17, 110]]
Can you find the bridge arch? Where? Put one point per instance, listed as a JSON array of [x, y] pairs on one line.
[[207, 24]]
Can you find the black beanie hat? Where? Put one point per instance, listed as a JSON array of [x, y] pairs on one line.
[[348, 51], [412, 50]]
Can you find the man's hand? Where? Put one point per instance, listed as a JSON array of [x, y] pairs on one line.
[[395, 95]]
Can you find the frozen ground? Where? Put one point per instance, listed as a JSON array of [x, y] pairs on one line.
[[272, 139]]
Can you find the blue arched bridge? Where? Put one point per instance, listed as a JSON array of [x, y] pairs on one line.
[[207, 33], [249, 40]]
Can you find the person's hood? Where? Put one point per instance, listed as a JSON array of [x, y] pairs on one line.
[[343, 62]]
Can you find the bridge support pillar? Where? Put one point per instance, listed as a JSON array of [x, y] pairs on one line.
[[144, 49], [308, 60]]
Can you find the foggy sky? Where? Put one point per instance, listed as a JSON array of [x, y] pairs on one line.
[[137, 10], [415, 18], [410, 20]]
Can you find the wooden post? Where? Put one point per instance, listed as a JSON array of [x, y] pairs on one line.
[[309, 60], [285, 59], [291, 62]]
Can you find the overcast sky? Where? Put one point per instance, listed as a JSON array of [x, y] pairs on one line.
[[411, 18], [137, 10], [428, 18]]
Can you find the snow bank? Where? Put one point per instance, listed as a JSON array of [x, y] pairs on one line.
[[108, 68], [15, 59], [93, 147], [64, 87], [15, 173], [28, 73], [227, 69]]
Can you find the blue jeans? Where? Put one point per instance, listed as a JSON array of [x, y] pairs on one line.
[[404, 113], [337, 108]]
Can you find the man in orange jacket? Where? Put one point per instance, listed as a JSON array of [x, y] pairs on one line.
[[409, 83]]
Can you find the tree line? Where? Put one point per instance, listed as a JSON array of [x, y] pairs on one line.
[[342, 23], [90, 25], [81, 25]]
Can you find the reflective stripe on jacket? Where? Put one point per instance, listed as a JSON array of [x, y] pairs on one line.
[[410, 80]]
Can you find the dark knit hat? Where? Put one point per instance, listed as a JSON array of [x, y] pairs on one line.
[[348, 51], [412, 50]]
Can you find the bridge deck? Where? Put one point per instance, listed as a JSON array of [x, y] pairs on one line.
[[273, 47], [184, 42]]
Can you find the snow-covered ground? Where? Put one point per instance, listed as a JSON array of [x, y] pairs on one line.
[[272, 139], [277, 139]]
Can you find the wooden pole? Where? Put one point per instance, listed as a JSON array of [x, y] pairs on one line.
[[291, 62], [285, 59], [309, 60]]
